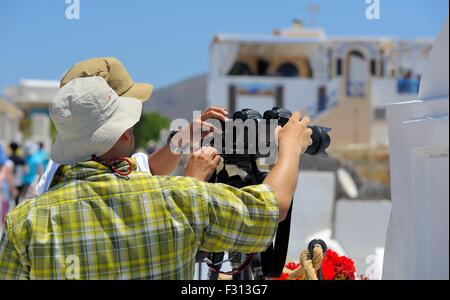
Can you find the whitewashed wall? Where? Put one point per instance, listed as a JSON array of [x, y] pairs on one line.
[[418, 231], [312, 210], [417, 245], [384, 92], [360, 228]]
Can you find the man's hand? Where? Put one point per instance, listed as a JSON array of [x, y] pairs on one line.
[[212, 112], [164, 161], [295, 136], [202, 163]]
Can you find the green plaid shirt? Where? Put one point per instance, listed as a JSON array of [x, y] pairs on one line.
[[94, 225]]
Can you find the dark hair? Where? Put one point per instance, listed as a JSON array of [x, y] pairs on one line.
[[41, 145], [13, 146]]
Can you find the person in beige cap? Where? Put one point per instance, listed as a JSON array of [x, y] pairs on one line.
[[163, 161], [114, 72], [103, 219]]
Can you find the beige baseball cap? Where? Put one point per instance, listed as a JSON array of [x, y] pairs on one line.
[[115, 74], [90, 118]]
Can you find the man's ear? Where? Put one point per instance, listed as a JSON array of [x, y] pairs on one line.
[[126, 136]]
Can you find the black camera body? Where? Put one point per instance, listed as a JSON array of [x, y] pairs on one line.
[[239, 150]]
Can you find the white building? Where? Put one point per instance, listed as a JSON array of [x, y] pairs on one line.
[[34, 97], [10, 117], [342, 82]]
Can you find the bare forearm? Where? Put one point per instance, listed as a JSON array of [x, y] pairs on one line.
[[283, 180], [163, 162]]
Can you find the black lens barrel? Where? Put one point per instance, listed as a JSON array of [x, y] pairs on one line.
[[320, 137]]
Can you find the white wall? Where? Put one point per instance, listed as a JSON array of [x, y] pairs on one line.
[[360, 229], [40, 128], [384, 92], [9, 129], [417, 245], [312, 209], [418, 231]]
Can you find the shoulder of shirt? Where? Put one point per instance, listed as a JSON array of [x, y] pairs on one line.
[[20, 212]]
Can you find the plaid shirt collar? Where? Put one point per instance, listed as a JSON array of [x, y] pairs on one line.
[[88, 169]]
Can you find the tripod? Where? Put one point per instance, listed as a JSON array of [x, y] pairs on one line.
[[256, 266]]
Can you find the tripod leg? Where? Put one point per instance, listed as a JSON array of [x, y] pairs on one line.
[[256, 268], [245, 274], [215, 258]]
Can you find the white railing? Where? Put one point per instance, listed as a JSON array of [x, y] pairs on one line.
[[356, 88]]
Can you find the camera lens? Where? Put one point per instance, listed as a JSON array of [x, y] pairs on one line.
[[321, 140]]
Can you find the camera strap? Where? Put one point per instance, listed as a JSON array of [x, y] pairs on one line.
[[274, 258]]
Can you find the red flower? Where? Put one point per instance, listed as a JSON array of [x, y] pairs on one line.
[[284, 276], [347, 268], [328, 269], [335, 267], [292, 266]]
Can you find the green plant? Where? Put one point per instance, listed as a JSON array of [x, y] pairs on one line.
[[149, 127]]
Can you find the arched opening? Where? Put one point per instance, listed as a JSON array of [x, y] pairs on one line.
[[322, 104], [288, 70], [357, 74], [240, 69]]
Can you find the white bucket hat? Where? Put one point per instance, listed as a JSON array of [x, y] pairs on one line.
[[90, 118]]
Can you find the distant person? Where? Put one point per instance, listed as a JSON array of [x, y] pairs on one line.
[[409, 84], [402, 85], [34, 163], [20, 168], [43, 155], [8, 190], [151, 147]]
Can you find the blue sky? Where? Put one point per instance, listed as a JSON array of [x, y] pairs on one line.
[[162, 41]]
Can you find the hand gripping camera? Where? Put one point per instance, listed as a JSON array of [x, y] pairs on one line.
[[321, 139]]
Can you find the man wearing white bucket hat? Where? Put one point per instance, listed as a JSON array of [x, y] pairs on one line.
[[164, 160], [114, 222]]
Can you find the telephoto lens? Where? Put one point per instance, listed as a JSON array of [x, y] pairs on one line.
[[320, 137]]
